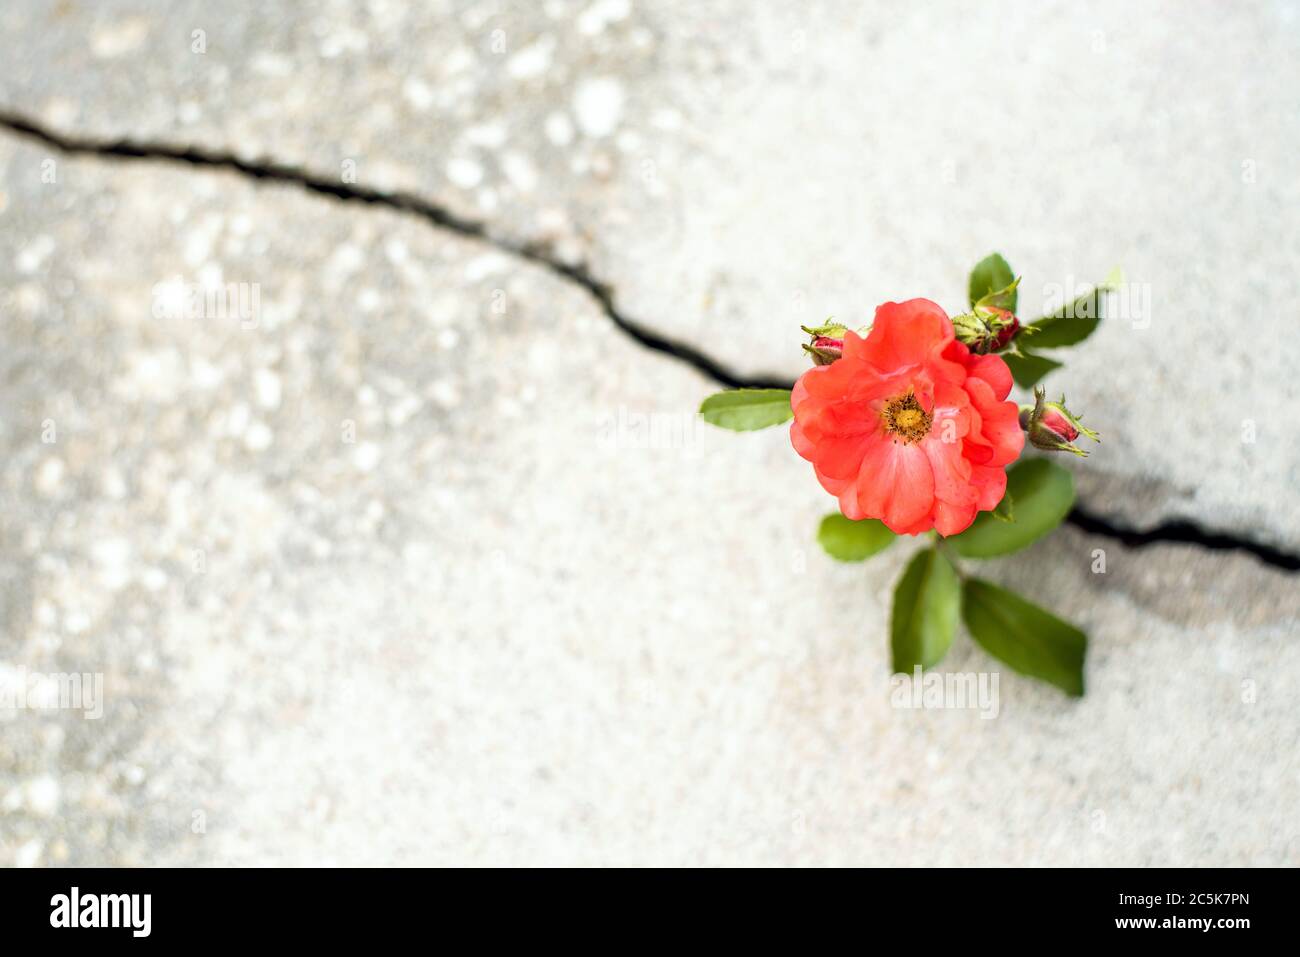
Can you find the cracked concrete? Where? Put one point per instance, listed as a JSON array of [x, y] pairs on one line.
[[433, 643], [622, 134]]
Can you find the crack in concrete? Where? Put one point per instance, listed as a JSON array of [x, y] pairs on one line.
[[272, 171], [125, 148], [1180, 532]]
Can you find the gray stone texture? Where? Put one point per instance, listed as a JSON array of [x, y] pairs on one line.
[[431, 564]]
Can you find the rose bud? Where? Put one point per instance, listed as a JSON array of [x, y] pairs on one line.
[[1010, 326], [827, 342], [1053, 427], [825, 350], [987, 329]]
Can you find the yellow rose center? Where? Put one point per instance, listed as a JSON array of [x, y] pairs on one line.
[[905, 419]]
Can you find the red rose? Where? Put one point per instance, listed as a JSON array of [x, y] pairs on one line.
[[908, 426]]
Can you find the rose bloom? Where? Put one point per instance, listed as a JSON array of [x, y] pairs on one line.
[[908, 426]]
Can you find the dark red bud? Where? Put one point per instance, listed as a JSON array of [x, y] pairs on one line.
[[1007, 333], [1059, 424], [1053, 427], [825, 350]]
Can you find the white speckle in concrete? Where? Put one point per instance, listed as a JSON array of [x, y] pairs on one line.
[[113, 556], [267, 385], [121, 37], [28, 854], [487, 135], [237, 419], [154, 579], [49, 477], [559, 129], [481, 267], [520, 171], [33, 255], [418, 93], [366, 456], [347, 258], [598, 106], [445, 394], [464, 172], [42, 796], [258, 437], [533, 60], [601, 14]]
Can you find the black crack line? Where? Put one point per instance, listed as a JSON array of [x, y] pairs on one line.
[[439, 216], [1175, 532], [1180, 532]]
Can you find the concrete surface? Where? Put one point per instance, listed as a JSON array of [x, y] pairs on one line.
[[523, 609], [781, 164]]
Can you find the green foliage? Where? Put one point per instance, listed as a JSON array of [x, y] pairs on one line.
[[1043, 493], [926, 606], [990, 275], [850, 541], [743, 410], [1029, 639]]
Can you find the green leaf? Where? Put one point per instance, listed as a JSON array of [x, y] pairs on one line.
[[926, 603], [1026, 637], [1004, 298], [1043, 493], [990, 275], [743, 410], [1074, 321], [829, 328], [1027, 368], [851, 541]]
